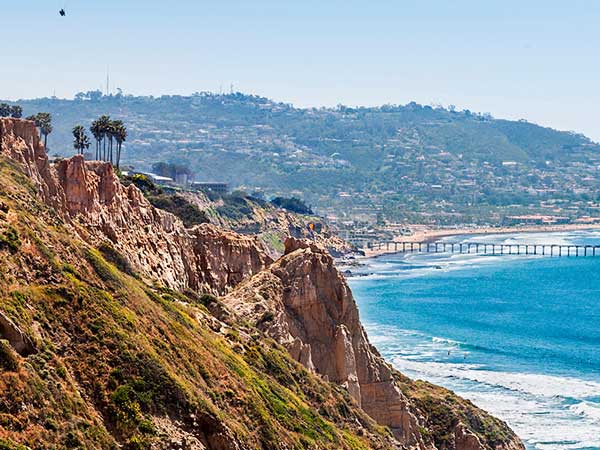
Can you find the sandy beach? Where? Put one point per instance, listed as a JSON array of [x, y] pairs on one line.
[[424, 234]]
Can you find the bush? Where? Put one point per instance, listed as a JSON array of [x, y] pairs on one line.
[[102, 268], [7, 445], [142, 182], [113, 256], [189, 213], [10, 240], [208, 299], [293, 204], [235, 207], [266, 318]]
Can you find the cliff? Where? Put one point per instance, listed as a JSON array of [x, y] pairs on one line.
[[91, 200], [95, 355], [111, 342], [313, 314], [249, 215]]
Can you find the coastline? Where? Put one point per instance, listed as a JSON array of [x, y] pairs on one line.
[[431, 235]]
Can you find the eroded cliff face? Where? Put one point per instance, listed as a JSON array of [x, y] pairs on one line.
[[316, 319], [304, 303], [89, 196], [300, 300]]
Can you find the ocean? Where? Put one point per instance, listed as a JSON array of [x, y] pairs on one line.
[[517, 335]]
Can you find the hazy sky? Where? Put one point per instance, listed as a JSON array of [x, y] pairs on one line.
[[538, 60]]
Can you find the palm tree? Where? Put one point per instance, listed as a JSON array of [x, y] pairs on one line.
[[43, 120], [120, 137], [81, 142], [111, 132], [97, 133], [104, 124]]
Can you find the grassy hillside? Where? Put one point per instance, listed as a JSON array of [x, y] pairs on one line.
[[91, 357]]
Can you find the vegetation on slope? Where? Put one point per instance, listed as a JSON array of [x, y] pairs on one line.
[[115, 361], [174, 203], [443, 410]]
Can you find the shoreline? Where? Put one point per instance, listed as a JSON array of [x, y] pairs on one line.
[[431, 235]]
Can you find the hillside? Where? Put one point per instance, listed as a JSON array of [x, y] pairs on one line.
[[122, 328], [243, 214], [400, 157]]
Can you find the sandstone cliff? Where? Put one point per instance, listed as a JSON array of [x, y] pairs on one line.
[[90, 198], [95, 356], [304, 303], [269, 224], [300, 300]]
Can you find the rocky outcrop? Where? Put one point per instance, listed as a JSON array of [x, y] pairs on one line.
[[22, 343], [304, 303], [316, 318], [270, 222], [89, 196], [20, 141]]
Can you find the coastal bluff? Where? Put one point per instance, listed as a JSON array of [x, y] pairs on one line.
[[315, 317], [160, 273], [89, 197]]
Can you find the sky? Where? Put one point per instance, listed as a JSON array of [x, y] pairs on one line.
[[531, 59]]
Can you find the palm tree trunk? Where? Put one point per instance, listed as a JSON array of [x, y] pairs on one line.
[[46, 142]]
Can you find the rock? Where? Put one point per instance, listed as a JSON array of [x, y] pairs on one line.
[[18, 340]]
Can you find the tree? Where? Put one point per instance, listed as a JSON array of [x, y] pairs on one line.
[[16, 111], [293, 204], [4, 110], [97, 133], [44, 122], [104, 124], [120, 137], [111, 131], [81, 141], [94, 96]]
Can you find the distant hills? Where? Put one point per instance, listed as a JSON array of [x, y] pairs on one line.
[[394, 159]]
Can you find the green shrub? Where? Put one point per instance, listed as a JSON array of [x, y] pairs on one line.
[[142, 182], [189, 213], [235, 207], [102, 268], [208, 299], [113, 256], [292, 204], [72, 440], [267, 317], [9, 240], [51, 424], [9, 445]]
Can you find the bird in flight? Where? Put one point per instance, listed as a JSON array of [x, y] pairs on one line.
[[62, 13]]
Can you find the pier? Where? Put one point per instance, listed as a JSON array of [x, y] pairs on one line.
[[488, 249]]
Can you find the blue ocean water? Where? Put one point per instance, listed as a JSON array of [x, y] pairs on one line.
[[517, 335]]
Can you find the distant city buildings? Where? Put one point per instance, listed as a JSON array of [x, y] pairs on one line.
[[536, 219]]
